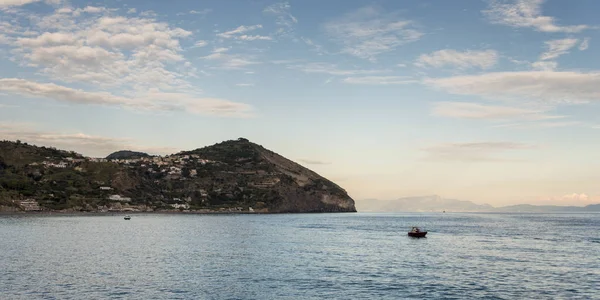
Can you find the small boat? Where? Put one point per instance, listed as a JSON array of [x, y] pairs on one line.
[[127, 217], [416, 232]]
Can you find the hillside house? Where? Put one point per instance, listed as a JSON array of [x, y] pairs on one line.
[[119, 198], [30, 205]]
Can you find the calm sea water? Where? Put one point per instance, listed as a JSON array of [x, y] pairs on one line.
[[312, 256]]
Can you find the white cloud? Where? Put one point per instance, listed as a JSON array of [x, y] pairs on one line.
[[466, 110], [474, 151], [238, 33], [585, 44], [102, 49], [7, 3], [200, 44], [526, 14], [540, 125], [544, 65], [284, 18], [314, 162], [148, 14], [131, 10], [47, 39], [245, 84], [93, 9], [462, 60], [557, 48], [331, 69], [4, 39], [569, 199], [245, 37], [368, 32], [315, 47], [380, 80], [151, 100], [543, 86], [230, 61], [200, 12], [90, 145]]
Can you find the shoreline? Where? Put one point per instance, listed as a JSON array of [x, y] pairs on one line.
[[111, 213]]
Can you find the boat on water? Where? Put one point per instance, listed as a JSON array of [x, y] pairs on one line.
[[417, 232], [127, 217]]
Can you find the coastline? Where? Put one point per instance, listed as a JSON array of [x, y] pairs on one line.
[[166, 212]]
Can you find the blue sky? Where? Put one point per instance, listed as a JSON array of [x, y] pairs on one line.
[[489, 101]]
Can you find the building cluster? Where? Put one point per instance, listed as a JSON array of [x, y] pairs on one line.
[[172, 167]]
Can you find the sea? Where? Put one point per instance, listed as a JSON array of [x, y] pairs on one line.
[[300, 256]]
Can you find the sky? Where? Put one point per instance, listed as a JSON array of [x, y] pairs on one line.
[[489, 101]]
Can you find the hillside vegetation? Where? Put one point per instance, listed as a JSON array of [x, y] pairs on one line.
[[235, 175]]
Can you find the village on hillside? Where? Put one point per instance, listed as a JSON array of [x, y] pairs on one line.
[[170, 168]]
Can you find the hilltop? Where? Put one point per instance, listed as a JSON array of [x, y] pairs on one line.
[[127, 154], [235, 175]]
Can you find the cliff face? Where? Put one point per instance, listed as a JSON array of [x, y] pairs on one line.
[[294, 188], [306, 191], [230, 176]]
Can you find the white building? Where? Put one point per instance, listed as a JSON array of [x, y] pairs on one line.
[[119, 198], [178, 206]]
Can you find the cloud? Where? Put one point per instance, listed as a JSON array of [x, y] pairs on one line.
[[200, 12], [200, 44], [148, 14], [314, 162], [285, 21], [320, 50], [462, 60], [543, 86], [541, 125], [380, 80], [557, 48], [368, 32], [151, 100], [90, 145], [569, 199], [131, 11], [332, 69], [238, 33], [245, 37], [585, 44], [245, 84], [8, 3], [230, 61], [466, 110], [526, 14], [474, 151], [544, 65], [104, 50]]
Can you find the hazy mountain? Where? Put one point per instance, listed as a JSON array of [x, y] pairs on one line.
[[126, 154], [436, 203], [420, 203], [548, 208]]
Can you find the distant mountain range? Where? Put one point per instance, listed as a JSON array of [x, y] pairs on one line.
[[435, 203]]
